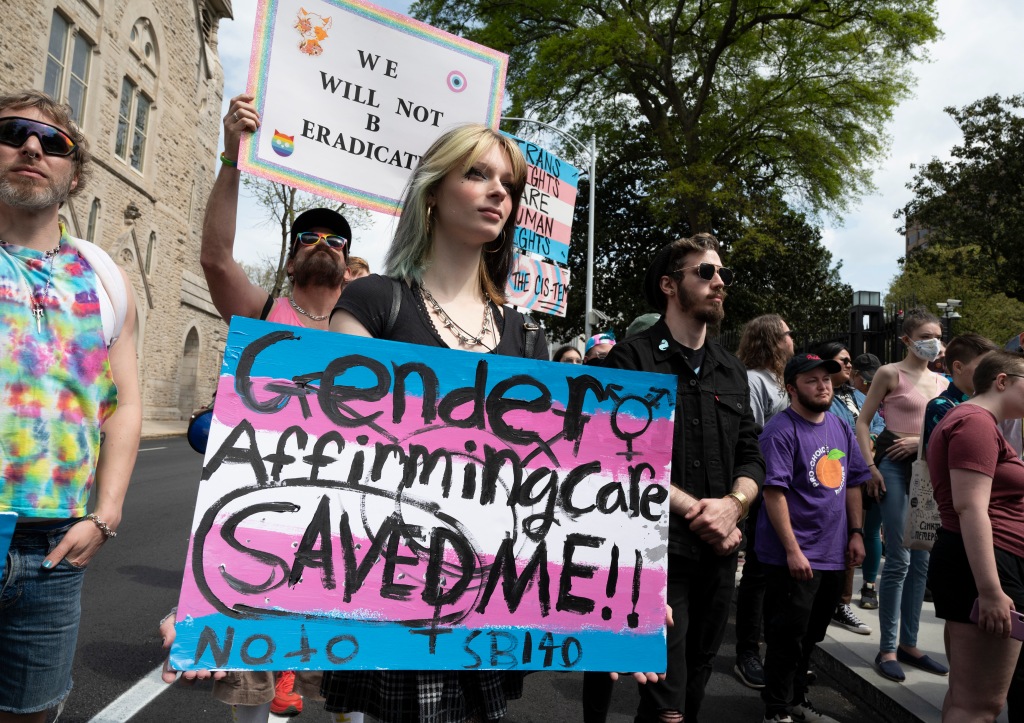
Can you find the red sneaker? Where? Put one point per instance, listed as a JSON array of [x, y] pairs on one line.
[[286, 701]]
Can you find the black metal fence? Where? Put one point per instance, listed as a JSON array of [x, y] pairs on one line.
[[870, 330]]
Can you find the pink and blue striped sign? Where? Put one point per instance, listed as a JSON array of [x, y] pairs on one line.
[[544, 223], [368, 504], [537, 284]]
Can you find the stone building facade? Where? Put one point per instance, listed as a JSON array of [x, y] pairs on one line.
[[145, 82]]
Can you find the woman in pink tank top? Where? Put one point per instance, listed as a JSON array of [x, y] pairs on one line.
[[906, 388]]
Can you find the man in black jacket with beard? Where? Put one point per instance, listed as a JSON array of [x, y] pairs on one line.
[[717, 467]]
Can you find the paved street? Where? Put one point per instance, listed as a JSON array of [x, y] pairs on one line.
[[135, 580]]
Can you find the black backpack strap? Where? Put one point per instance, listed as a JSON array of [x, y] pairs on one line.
[[396, 306], [531, 330], [266, 308]]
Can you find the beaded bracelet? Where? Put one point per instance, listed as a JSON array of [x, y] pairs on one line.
[[107, 532], [227, 161]]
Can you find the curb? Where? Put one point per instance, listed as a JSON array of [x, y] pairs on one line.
[[841, 664], [161, 435]]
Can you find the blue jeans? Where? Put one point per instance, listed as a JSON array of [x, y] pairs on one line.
[[39, 613], [872, 542], [905, 572]]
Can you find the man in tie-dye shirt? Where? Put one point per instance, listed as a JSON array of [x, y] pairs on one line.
[[70, 414]]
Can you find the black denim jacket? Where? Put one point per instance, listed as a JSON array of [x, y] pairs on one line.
[[715, 437]]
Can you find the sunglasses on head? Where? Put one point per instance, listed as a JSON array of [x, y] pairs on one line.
[[707, 272], [15, 131], [312, 238]]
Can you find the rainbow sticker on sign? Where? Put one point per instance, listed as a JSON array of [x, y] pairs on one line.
[[283, 145], [456, 82]]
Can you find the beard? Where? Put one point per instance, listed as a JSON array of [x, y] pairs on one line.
[[27, 194], [320, 268], [696, 305], [813, 405]]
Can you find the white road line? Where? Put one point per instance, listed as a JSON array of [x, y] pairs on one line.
[[151, 449], [134, 699]]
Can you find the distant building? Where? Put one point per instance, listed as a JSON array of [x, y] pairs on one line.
[[915, 238], [145, 82]]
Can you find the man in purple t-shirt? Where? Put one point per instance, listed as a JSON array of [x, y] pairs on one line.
[[808, 530]]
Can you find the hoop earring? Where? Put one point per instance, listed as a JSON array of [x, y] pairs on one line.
[[430, 221], [501, 244]]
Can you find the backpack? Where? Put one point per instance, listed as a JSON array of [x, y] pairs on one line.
[[112, 291]]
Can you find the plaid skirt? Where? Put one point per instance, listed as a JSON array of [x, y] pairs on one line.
[[423, 696]]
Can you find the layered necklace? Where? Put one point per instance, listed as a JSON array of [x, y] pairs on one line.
[[305, 313], [465, 338], [38, 298]]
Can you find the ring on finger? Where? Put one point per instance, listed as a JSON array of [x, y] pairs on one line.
[[236, 115]]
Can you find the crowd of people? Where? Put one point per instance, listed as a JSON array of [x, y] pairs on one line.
[[798, 464]]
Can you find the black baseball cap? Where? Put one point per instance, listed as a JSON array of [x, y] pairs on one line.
[[321, 218], [807, 362], [867, 365]]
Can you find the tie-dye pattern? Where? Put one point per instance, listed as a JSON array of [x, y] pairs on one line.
[[56, 389]]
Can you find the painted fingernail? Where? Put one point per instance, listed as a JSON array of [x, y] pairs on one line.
[[47, 564]]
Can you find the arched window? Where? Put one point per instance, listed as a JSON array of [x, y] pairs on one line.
[[149, 251], [94, 217], [138, 95]]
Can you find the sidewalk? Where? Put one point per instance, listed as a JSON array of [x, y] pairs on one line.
[[155, 429], [850, 658]]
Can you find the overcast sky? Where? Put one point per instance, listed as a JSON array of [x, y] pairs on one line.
[[975, 58]]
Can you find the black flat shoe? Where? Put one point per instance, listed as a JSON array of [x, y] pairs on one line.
[[923, 663], [889, 669]]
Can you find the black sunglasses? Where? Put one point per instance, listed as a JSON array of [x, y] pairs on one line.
[[15, 131], [312, 238], [707, 272]]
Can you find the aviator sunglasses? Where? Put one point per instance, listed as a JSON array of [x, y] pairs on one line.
[[15, 131], [707, 272], [312, 238]]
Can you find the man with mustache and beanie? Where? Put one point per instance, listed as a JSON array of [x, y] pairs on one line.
[[717, 467], [70, 411], [321, 240]]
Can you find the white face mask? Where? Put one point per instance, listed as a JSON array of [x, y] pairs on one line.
[[927, 349]]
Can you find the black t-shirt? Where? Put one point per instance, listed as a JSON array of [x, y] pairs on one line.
[[369, 298]]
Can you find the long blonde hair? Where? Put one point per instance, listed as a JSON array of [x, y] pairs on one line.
[[410, 251]]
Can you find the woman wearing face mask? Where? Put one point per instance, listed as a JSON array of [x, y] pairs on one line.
[[905, 388]]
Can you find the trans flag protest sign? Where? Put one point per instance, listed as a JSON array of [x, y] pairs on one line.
[[369, 504], [540, 276], [544, 223], [537, 284]]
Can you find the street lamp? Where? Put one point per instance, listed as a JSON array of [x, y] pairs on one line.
[[948, 312], [591, 153]]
